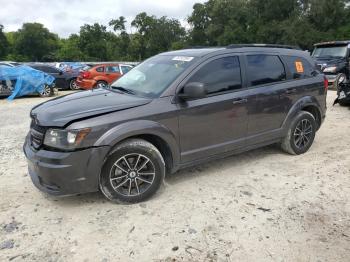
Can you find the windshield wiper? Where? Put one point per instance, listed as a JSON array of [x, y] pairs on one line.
[[123, 89]]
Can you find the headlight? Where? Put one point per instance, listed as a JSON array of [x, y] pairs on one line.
[[331, 69], [65, 139]]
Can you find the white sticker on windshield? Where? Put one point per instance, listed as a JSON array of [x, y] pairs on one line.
[[183, 58]]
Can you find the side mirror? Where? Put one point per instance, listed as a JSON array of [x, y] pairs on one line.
[[193, 90]]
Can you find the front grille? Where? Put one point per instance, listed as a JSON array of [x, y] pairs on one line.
[[37, 134]]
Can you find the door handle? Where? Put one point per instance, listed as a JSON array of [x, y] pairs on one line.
[[291, 91], [240, 101]]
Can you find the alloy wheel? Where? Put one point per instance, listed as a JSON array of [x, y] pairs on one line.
[[303, 133], [46, 91], [101, 85], [73, 85], [132, 174]]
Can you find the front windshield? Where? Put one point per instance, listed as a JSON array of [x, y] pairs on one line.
[[330, 51], [152, 77]]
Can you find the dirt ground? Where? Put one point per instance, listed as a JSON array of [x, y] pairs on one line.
[[263, 205]]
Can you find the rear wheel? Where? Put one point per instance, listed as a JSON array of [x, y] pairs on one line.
[[73, 84], [301, 134], [101, 84], [133, 173]]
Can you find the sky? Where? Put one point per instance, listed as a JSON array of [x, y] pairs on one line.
[[65, 17]]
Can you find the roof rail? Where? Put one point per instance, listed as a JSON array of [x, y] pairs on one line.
[[345, 42], [263, 45], [200, 47]]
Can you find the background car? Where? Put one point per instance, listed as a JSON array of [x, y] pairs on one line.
[[16, 81], [101, 75], [7, 86], [64, 80], [9, 63], [333, 59]]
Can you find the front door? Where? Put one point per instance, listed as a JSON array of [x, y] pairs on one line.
[[218, 122]]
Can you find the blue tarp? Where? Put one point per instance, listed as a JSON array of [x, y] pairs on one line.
[[28, 80]]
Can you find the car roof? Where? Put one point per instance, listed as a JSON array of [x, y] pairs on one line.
[[45, 65], [332, 43], [239, 48], [196, 52], [109, 64]]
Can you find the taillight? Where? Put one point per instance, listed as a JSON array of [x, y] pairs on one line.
[[325, 83], [86, 74]]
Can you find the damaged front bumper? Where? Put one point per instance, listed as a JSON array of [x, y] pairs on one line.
[[65, 173]]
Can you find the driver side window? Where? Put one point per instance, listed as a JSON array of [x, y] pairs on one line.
[[220, 75]]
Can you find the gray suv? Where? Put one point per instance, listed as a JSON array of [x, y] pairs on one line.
[[175, 110]]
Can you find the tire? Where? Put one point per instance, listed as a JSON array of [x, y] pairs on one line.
[[101, 84], [301, 134], [47, 91], [73, 85], [135, 180]]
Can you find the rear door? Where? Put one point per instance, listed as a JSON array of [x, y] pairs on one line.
[[270, 99], [217, 123], [58, 74], [112, 73]]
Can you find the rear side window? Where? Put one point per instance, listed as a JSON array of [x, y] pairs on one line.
[[112, 69], [264, 69], [125, 69], [220, 75], [299, 67], [99, 69]]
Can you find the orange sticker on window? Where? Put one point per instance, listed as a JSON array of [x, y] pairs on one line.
[[299, 67]]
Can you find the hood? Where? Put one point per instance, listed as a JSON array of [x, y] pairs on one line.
[[60, 111]]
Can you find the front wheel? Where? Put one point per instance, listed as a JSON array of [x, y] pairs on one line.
[[46, 91], [301, 134], [133, 173]]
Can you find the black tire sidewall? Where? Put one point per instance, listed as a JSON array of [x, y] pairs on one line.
[[106, 187], [101, 81], [70, 84], [300, 117], [44, 93]]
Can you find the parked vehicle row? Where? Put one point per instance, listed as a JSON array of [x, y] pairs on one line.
[[74, 76], [172, 111]]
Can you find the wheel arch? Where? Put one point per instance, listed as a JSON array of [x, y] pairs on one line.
[[155, 133], [308, 104]]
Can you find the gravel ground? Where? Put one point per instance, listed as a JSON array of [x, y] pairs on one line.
[[263, 205]]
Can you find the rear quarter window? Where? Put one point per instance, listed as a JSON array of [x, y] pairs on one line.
[[299, 67], [99, 69]]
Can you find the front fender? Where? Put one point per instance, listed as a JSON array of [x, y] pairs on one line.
[[298, 106], [140, 127]]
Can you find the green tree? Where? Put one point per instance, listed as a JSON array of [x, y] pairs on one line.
[[155, 35], [118, 44], [69, 49], [93, 41], [34, 42], [4, 45], [118, 24]]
